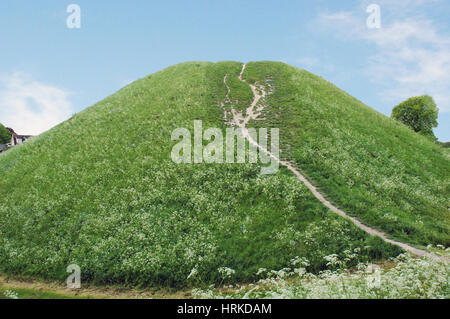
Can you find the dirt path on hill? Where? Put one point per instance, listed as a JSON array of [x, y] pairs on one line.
[[252, 113]]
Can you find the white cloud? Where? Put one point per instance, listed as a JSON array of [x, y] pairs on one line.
[[31, 107], [409, 54]]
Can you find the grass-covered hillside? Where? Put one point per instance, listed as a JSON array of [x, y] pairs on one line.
[[369, 165], [101, 190]]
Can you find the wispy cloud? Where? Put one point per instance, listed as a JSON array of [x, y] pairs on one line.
[[31, 107], [410, 56]]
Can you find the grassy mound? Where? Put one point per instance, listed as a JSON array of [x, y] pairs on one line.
[[100, 190]]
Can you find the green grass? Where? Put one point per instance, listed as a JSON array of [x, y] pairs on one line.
[[100, 190], [369, 165]]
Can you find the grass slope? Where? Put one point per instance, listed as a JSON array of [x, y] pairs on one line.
[[100, 190], [371, 166]]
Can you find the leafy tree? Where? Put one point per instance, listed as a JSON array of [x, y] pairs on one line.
[[5, 135], [418, 112]]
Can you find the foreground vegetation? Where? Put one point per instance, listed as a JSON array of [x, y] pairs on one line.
[[408, 278], [402, 277], [101, 191]]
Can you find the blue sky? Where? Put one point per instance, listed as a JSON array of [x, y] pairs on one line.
[[48, 71]]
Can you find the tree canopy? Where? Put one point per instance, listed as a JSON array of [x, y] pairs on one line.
[[5, 134], [418, 112]]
